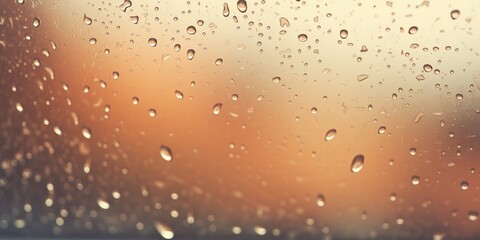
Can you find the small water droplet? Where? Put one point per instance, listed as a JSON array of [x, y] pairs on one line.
[[454, 14], [242, 6], [87, 132], [92, 41], [36, 22], [226, 10], [413, 29], [343, 33], [164, 230], [420, 77], [464, 185], [276, 79], [415, 180], [459, 96], [115, 75], [218, 61], [152, 42], [87, 20], [190, 54], [357, 163], [330, 134], [166, 153], [393, 197], [191, 30], [19, 107], [302, 37], [321, 200], [216, 108], [362, 77]]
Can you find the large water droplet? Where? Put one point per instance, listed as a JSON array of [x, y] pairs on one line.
[[413, 29], [216, 108], [218, 61], [226, 10], [302, 37], [242, 6], [427, 68], [166, 153], [191, 30], [152, 42], [343, 33], [415, 180], [36, 22], [362, 77], [321, 200], [87, 20], [454, 14], [178, 94], [284, 22], [164, 230], [103, 204], [134, 19], [87, 132], [464, 185], [330, 134], [276, 79], [357, 163], [190, 54], [126, 4]]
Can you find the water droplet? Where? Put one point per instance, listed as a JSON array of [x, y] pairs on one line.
[[420, 77], [413, 29], [135, 100], [177, 47], [152, 42], [36, 22], [126, 4], [276, 79], [87, 20], [134, 19], [459, 96], [343, 33], [242, 6], [87, 132], [21, 1], [415, 180], [164, 230], [191, 30], [382, 130], [473, 215], [103, 204], [427, 68], [57, 130], [190, 54], [152, 112], [19, 107], [320, 200], [357, 163], [284, 22], [393, 197], [454, 14], [464, 185], [418, 117], [92, 41], [302, 37], [115, 75], [260, 230], [166, 153], [362, 77], [226, 10], [413, 151], [218, 61], [178, 94], [330, 134], [216, 108]]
